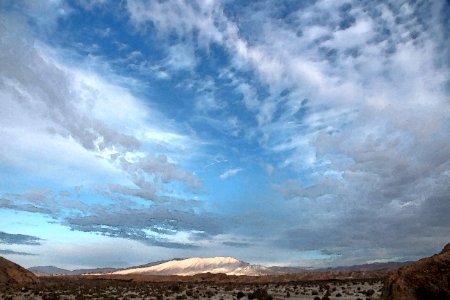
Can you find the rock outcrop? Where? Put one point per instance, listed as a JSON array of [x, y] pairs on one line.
[[427, 279], [11, 273]]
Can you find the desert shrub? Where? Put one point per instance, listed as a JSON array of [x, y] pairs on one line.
[[370, 292], [314, 292], [260, 294], [240, 295], [176, 288], [338, 295], [316, 298], [288, 295]]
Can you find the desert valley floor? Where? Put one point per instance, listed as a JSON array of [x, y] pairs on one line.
[[63, 288]]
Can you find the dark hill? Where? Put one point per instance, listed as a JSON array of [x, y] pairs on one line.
[[11, 273], [427, 279]]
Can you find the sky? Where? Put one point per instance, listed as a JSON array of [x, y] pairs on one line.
[[290, 133]]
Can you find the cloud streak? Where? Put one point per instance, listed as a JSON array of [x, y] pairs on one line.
[[11, 252], [18, 239], [230, 173]]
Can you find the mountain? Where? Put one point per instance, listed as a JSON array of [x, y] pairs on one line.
[[426, 279], [195, 265], [51, 270], [154, 263], [233, 266], [11, 273], [48, 270]]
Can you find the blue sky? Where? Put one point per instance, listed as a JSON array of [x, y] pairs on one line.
[[307, 133]]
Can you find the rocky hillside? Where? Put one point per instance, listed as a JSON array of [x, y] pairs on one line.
[[11, 273], [427, 279]]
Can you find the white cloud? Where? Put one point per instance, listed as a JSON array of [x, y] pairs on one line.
[[250, 96], [181, 57], [269, 169], [72, 116], [178, 16], [230, 173]]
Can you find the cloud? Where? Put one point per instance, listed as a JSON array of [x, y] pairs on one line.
[[347, 101], [237, 244], [155, 225], [19, 239], [249, 96], [180, 17], [269, 169], [159, 224], [11, 252], [91, 4], [230, 173], [181, 57], [344, 89], [80, 126], [328, 252]]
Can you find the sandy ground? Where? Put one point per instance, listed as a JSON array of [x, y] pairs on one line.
[[179, 291]]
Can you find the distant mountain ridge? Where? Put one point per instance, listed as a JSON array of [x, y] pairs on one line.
[[52, 270], [196, 265]]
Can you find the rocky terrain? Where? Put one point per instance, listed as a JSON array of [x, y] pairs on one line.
[[12, 274], [427, 279]]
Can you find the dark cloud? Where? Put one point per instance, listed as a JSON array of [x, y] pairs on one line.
[[237, 244], [328, 252], [151, 224], [20, 239], [133, 223], [11, 252]]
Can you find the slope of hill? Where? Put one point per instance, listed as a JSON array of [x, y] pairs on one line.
[[428, 278], [11, 273]]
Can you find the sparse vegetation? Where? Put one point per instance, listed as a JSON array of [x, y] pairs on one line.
[[84, 288]]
